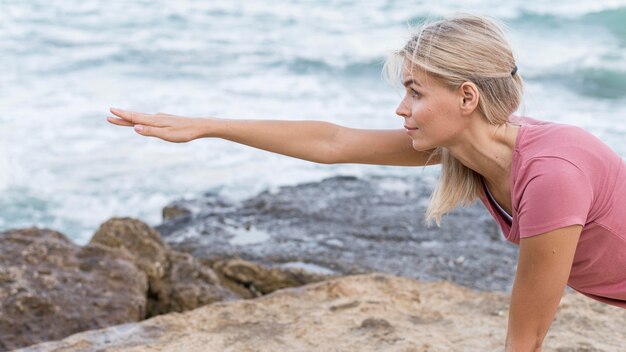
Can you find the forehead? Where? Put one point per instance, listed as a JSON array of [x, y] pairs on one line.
[[412, 73]]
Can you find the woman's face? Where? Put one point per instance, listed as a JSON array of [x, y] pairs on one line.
[[431, 111]]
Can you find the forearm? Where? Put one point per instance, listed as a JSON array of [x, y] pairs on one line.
[[321, 142], [307, 140], [543, 269]]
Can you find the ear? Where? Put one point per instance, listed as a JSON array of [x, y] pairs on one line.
[[470, 96]]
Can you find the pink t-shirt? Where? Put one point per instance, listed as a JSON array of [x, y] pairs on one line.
[[562, 175]]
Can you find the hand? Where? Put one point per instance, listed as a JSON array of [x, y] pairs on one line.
[[167, 127]]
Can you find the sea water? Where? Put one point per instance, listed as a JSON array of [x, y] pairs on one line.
[[64, 63]]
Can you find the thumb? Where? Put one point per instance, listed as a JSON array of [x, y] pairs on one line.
[[147, 130], [141, 129], [150, 131]]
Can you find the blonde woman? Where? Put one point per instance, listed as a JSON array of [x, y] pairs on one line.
[[555, 190]]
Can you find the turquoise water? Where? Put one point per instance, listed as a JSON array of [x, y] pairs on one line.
[[64, 63]]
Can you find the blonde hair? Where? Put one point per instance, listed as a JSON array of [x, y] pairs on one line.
[[453, 51]]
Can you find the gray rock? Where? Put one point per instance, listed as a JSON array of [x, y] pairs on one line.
[[345, 225]]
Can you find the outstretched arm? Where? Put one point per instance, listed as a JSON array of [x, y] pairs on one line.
[[544, 265], [316, 141]]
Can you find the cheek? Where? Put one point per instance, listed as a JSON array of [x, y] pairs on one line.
[[422, 113], [416, 107]]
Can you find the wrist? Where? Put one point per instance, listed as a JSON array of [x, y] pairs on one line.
[[207, 127], [529, 344]]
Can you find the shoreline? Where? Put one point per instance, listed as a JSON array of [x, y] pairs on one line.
[[210, 255]]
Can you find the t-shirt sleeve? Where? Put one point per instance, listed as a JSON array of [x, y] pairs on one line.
[[554, 193]]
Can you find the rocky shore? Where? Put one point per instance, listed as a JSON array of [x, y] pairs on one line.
[[345, 264], [373, 312], [346, 225]]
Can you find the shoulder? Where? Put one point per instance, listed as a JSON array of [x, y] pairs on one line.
[[558, 141], [550, 167], [553, 134]]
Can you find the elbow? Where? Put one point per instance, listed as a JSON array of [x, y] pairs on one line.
[[321, 159], [327, 162], [329, 157]]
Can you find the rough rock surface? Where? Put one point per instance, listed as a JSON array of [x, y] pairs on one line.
[[261, 280], [176, 281], [51, 288], [362, 313], [345, 225]]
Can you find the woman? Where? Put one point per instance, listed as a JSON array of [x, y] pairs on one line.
[[554, 189]]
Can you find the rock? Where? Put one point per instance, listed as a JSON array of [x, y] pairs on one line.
[[347, 225], [143, 243], [173, 212], [176, 281], [373, 312], [51, 288], [187, 285], [261, 280]]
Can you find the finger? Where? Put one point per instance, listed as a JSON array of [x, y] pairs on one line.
[[132, 116], [119, 122]]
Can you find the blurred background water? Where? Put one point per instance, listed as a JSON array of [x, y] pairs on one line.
[[64, 63]]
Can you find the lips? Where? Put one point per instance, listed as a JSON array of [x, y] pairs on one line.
[[410, 128]]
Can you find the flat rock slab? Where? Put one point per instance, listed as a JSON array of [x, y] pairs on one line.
[[347, 225], [374, 312]]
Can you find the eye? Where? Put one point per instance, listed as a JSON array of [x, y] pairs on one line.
[[415, 94]]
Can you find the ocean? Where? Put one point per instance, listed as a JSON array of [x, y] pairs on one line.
[[64, 63]]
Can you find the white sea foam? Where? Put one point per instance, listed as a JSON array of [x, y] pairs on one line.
[[63, 166], [248, 236]]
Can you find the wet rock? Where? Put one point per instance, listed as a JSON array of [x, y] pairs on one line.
[[380, 313], [51, 288], [347, 225]]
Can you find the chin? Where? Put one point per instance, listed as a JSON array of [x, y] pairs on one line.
[[421, 147]]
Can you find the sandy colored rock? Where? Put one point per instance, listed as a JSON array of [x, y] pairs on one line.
[[374, 312]]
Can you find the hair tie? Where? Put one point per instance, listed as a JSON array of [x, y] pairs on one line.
[[514, 71]]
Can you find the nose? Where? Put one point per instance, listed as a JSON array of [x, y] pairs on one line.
[[403, 110]]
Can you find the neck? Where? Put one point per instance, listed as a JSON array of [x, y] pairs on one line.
[[488, 150]]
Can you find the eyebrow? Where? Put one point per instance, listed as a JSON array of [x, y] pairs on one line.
[[411, 81]]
